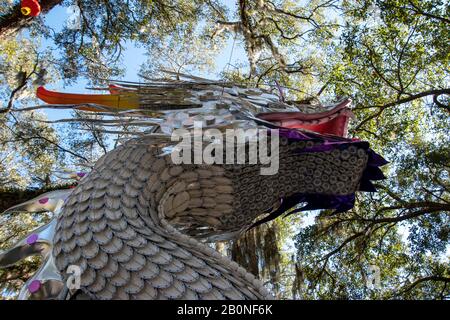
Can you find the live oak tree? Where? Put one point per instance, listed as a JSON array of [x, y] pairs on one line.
[[392, 61]]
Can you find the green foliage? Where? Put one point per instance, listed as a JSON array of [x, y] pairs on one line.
[[95, 48], [389, 62]]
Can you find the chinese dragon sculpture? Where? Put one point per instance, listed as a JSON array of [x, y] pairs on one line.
[[137, 224]]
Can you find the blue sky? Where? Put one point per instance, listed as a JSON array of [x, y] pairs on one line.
[[134, 56]]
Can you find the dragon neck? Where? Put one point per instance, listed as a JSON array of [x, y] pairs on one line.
[[117, 227]]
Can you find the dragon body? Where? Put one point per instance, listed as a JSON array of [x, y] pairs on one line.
[[137, 225]]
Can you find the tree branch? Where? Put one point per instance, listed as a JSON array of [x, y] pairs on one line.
[[410, 98], [425, 279]]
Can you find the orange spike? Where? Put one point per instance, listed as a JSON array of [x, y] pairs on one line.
[[117, 101]]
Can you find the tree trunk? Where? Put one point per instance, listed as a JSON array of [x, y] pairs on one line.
[[13, 22]]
